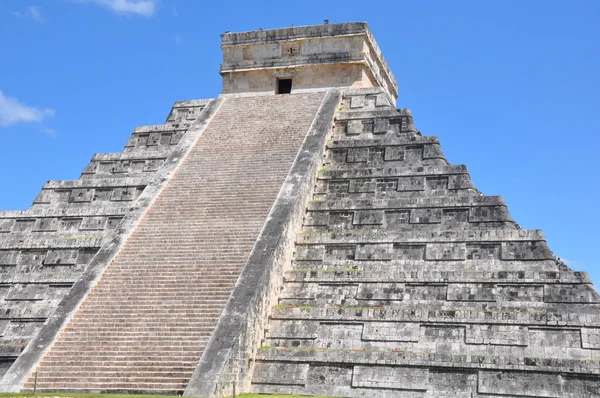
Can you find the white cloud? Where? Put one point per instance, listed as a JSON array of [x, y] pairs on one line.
[[12, 112], [35, 13], [51, 132], [573, 264], [144, 8], [32, 12]]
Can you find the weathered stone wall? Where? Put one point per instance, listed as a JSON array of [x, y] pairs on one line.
[[71, 225], [408, 282]]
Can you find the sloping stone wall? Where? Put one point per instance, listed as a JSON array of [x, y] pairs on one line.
[[46, 249], [408, 282]]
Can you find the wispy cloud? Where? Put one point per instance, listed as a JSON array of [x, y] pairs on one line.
[[51, 132], [31, 12], [573, 264], [12, 111], [144, 8]]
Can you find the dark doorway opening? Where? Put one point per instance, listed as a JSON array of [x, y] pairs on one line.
[[284, 86]]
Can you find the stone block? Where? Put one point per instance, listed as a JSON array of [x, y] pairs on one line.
[[381, 291], [383, 252], [9, 257], [368, 217], [292, 329], [561, 338], [24, 225], [46, 224], [93, 224], [446, 251], [381, 126], [386, 184], [408, 252], [520, 293], [590, 338], [537, 250], [341, 219], [398, 378], [81, 195], [391, 331], [329, 375], [483, 251], [70, 224], [61, 257], [436, 183], [394, 153], [570, 294], [510, 335], [280, 373], [357, 101], [426, 216], [460, 181], [29, 292], [489, 214], [472, 292], [356, 155], [354, 127], [455, 215], [340, 253], [522, 384], [396, 218], [432, 151], [362, 185], [6, 225], [416, 183]]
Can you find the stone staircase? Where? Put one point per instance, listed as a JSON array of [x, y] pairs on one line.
[[408, 282], [144, 325]]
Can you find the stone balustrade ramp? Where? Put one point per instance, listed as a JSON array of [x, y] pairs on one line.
[[144, 325]]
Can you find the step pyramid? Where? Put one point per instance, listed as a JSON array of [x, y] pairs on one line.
[[312, 243]]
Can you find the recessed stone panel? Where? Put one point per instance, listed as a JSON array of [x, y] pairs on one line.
[[397, 378], [61, 257], [391, 331], [481, 251], [537, 250], [522, 384], [81, 195], [416, 183], [362, 185], [472, 292], [497, 335], [383, 252], [394, 153], [446, 251], [408, 252], [522, 293], [9, 257], [368, 217], [280, 373], [93, 224], [590, 338], [340, 253], [570, 294], [46, 224], [426, 216], [560, 338], [381, 291]]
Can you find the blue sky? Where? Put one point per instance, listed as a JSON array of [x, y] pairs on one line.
[[512, 89]]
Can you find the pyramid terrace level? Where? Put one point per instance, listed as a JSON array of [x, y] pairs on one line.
[[296, 235]]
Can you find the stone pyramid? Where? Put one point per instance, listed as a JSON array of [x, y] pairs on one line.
[[297, 234]]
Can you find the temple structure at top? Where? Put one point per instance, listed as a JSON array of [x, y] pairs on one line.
[[305, 58]]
